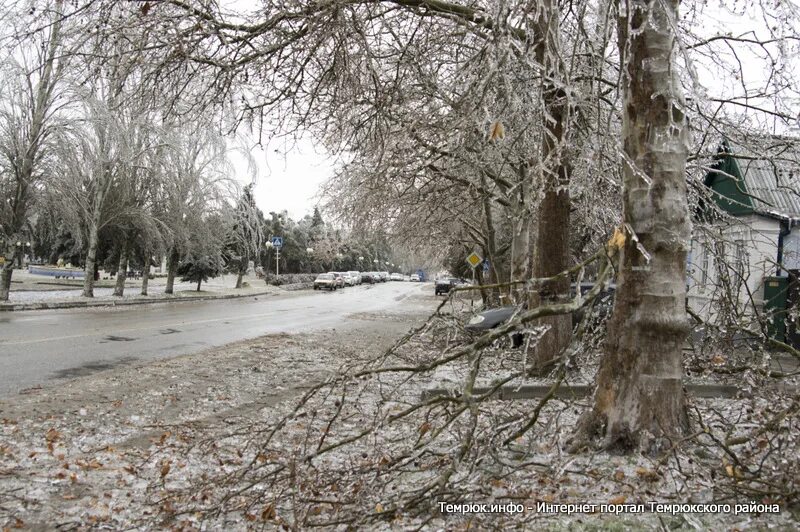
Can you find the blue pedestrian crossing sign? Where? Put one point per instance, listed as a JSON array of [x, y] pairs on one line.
[[277, 241], [485, 265]]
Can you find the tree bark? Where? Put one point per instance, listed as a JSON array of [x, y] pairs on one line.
[[91, 257], [5, 278], [198, 284], [552, 236], [172, 268], [145, 272], [122, 269], [639, 397], [243, 263], [520, 238], [491, 247]]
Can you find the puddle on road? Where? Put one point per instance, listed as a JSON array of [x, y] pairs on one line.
[[92, 367], [112, 338]]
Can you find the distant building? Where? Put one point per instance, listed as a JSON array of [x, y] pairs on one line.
[[754, 236]]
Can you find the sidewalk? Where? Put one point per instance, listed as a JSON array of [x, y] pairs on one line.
[[37, 293]]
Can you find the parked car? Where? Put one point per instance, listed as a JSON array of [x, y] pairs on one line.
[[349, 280], [603, 304], [325, 280], [396, 277], [444, 284], [369, 278], [414, 277], [384, 276], [489, 319], [602, 307], [356, 276], [339, 279]]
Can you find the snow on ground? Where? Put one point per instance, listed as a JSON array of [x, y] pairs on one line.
[[29, 288], [236, 438]]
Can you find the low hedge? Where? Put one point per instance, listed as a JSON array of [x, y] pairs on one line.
[[290, 278]]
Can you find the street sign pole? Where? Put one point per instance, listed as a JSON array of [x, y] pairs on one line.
[[474, 260], [277, 243]]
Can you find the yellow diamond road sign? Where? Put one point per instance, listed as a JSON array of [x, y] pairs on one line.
[[474, 259]]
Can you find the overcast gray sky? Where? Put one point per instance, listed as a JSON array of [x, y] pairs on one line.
[[288, 175]]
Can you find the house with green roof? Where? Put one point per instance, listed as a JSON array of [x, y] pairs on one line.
[[746, 241]]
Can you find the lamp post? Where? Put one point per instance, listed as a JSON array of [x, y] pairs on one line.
[[310, 251], [21, 247]]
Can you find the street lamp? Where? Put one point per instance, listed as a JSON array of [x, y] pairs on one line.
[[268, 244], [311, 266], [21, 251]]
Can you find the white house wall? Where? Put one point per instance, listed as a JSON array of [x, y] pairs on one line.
[[757, 236]]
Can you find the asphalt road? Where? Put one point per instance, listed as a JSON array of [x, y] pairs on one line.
[[37, 347]]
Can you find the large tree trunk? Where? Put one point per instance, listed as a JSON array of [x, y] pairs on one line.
[[122, 269], [520, 238], [494, 297], [552, 257], [244, 262], [520, 250], [639, 396], [91, 257], [145, 272], [5, 278], [552, 236], [172, 268]]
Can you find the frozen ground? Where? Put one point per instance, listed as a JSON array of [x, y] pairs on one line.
[[28, 288], [234, 439]]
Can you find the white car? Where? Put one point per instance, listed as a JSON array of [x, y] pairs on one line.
[[396, 277], [349, 280], [415, 277], [356, 276]]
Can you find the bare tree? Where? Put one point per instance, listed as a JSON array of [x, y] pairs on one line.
[[195, 176], [30, 100]]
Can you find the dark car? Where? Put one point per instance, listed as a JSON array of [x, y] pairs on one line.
[[603, 304], [489, 319], [444, 285], [370, 278]]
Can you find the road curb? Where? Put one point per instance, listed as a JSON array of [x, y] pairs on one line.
[[579, 391], [10, 307]]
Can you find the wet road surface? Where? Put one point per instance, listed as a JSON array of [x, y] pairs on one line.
[[39, 346]]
